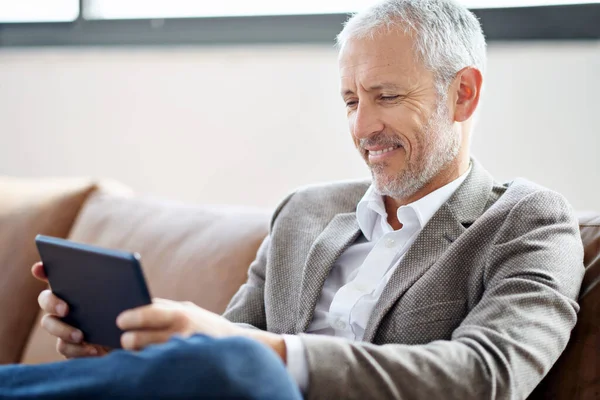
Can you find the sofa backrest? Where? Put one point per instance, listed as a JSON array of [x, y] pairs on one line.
[[29, 207], [189, 253], [576, 375]]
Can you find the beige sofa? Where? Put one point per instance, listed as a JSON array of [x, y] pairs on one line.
[[198, 253]]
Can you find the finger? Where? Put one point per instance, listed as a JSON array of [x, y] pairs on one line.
[[70, 350], [97, 350], [137, 340], [147, 317], [57, 328], [52, 304], [38, 272], [102, 350], [164, 302]]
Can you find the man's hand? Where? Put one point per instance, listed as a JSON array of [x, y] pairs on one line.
[[159, 321], [69, 339], [151, 324]]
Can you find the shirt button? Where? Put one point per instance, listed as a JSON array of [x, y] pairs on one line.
[[389, 243], [339, 324], [360, 288]]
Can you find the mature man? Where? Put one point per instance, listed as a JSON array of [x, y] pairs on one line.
[[430, 281]]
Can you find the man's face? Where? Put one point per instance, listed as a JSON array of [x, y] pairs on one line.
[[399, 123]]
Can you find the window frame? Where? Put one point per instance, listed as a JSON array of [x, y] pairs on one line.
[[563, 22]]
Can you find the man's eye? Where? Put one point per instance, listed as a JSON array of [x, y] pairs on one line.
[[351, 103], [390, 97]]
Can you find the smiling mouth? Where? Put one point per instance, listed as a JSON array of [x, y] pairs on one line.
[[382, 151]]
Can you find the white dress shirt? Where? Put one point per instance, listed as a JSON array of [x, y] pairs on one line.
[[360, 274]]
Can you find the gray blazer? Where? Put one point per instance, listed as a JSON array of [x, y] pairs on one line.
[[480, 307]]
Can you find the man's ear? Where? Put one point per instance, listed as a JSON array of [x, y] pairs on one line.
[[468, 88]]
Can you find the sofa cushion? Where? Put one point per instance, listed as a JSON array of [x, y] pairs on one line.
[[29, 207], [590, 234], [189, 253], [194, 253], [576, 375]]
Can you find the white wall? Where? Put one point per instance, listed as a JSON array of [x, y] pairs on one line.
[[247, 125]]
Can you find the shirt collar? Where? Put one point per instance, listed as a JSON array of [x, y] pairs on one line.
[[371, 208]]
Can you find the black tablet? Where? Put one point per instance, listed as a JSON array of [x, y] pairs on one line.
[[97, 284]]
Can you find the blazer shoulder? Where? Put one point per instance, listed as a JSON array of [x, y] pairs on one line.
[[322, 200], [526, 200], [343, 195], [522, 190]]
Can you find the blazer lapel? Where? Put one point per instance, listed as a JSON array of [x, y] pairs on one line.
[[447, 224], [339, 234]]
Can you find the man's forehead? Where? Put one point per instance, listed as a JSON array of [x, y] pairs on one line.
[[374, 85], [377, 74], [368, 69], [389, 54], [365, 57]]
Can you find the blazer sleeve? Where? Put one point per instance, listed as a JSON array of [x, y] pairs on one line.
[[504, 346], [247, 307]]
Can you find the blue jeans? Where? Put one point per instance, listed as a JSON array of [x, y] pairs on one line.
[[198, 367]]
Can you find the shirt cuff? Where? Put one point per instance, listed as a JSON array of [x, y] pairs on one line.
[[297, 364]]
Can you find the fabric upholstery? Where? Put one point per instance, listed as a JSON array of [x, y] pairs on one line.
[[576, 375], [189, 253], [590, 234], [29, 207]]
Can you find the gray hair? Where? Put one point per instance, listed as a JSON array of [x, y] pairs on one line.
[[448, 37]]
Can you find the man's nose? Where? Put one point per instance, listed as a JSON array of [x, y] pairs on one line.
[[366, 122]]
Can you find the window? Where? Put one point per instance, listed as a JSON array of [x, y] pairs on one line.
[[12, 11], [142, 9], [38, 10], [188, 22]]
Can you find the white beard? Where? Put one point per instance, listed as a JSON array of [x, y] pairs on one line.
[[439, 145]]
